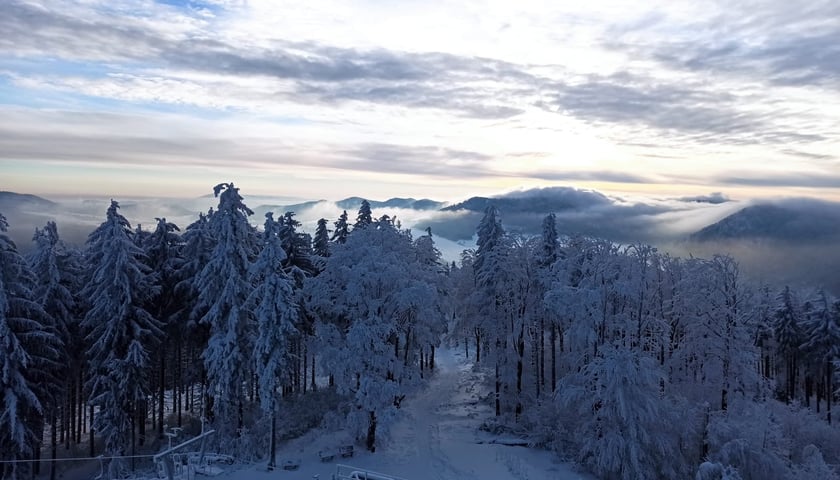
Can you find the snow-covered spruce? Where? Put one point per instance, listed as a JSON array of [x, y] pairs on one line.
[[120, 331]]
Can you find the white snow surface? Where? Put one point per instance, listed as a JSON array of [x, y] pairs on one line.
[[436, 437]]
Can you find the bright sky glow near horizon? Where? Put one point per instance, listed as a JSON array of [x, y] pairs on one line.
[[438, 99]]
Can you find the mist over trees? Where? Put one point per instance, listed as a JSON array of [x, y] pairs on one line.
[[634, 363]]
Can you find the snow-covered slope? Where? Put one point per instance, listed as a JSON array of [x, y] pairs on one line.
[[437, 437]]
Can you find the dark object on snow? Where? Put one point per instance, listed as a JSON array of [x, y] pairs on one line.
[[326, 456], [346, 451], [291, 465]]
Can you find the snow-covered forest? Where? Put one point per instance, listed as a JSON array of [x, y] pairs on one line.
[[632, 363]]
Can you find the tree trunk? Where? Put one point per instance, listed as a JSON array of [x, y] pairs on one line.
[[133, 416], [71, 404], [809, 390], [520, 367], [828, 390], [553, 357], [314, 385], [179, 382], [90, 434], [67, 417], [162, 387], [53, 443], [272, 449], [80, 408], [36, 459], [305, 367], [498, 391], [407, 347], [208, 398], [371, 434], [142, 408], [541, 355], [477, 347], [432, 359]]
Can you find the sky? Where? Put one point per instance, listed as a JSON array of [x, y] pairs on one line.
[[438, 99]]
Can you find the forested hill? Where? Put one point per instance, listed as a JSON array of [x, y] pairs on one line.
[[791, 222], [12, 201]]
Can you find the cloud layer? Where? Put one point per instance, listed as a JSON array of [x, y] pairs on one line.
[[670, 95]]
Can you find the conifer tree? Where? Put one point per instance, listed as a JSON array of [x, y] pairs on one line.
[[321, 242], [57, 275], [164, 258], [29, 352], [489, 265], [342, 229], [197, 247], [789, 337], [223, 287], [365, 216], [274, 311], [297, 246], [121, 332], [822, 342]]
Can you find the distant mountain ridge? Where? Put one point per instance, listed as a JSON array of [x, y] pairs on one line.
[[785, 222], [353, 203], [540, 201], [9, 200]]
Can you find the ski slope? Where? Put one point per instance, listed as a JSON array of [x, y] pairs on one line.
[[437, 437]]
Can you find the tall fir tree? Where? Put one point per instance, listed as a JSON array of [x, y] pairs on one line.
[[491, 236], [197, 247], [321, 242], [822, 342], [342, 229], [789, 337], [57, 273], [365, 216], [162, 248], [549, 248], [223, 287], [120, 331], [29, 354], [272, 305], [298, 247]]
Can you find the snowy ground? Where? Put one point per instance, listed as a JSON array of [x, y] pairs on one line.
[[436, 438]]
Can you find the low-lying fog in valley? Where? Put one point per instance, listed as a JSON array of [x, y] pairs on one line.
[[776, 240]]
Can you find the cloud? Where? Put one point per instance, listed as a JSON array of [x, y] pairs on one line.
[[692, 110], [318, 73], [578, 212], [712, 198], [781, 43], [792, 179], [653, 96], [592, 176]]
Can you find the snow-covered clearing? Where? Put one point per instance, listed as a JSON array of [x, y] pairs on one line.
[[437, 437]]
